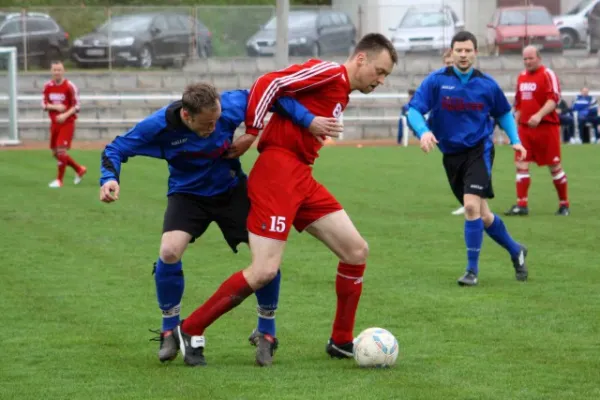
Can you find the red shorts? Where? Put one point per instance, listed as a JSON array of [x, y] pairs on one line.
[[542, 143], [283, 192], [61, 135]]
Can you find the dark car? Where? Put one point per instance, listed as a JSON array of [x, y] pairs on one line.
[[36, 35], [593, 20], [310, 33], [143, 40]]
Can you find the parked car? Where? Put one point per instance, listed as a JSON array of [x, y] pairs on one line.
[[36, 35], [426, 30], [310, 33], [513, 28], [143, 40], [573, 25], [593, 32]]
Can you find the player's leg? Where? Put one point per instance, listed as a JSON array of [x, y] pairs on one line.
[[231, 218], [185, 219], [523, 178], [551, 156], [54, 131], [496, 229], [322, 216], [65, 139]]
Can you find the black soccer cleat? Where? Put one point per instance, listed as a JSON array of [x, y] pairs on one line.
[[468, 279], [563, 211], [517, 210], [345, 350], [265, 347], [192, 347], [168, 348], [518, 261]]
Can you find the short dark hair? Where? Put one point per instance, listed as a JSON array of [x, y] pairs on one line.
[[198, 97], [376, 43], [54, 62], [464, 36]]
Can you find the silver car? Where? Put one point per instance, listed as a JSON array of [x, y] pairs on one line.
[[426, 30], [573, 25]]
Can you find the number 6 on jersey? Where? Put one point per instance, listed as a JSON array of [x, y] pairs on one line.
[[277, 224]]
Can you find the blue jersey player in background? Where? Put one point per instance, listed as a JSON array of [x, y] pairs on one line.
[[206, 184], [460, 101]]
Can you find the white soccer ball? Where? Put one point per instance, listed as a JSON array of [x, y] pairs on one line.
[[375, 348]]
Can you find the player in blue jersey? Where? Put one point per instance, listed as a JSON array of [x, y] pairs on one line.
[[206, 184], [460, 101]]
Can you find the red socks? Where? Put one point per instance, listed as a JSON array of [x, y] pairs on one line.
[[348, 286], [523, 182], [559, 178], [64, 160], [229, 295]]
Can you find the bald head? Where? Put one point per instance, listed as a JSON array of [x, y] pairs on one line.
[[531, 58]]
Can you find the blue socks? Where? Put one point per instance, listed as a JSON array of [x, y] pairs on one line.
[[268, 298], [497, 231], [473, 240], [169, 291]]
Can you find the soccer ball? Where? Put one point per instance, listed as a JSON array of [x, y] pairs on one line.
[[375, 348]]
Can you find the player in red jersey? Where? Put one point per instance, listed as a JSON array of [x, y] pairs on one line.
[[61, 100], [283, 192], [538, 93]]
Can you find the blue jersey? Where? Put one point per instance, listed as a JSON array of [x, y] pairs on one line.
[[196, 164], [460, 109]]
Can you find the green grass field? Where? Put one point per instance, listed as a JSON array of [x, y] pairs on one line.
[[77, 294]]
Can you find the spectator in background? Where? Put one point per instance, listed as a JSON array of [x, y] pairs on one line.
[[566, 121], [586, 107], [447, 58], [404, 112]]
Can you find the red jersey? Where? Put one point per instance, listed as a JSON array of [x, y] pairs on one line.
[[533, 90], [65, 93], [320, 86]]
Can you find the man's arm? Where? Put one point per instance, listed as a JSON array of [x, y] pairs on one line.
[[294, 78], [508, 125], [420, 104], [47, 105], [75, 103], [138, 141]]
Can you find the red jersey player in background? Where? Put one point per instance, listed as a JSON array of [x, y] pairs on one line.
[[538, 93], [283, 192], [61, 100]]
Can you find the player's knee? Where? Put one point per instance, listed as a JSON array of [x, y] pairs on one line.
[[170, 252], [262, 274], [358, 253], [472, 209], [555, 168]]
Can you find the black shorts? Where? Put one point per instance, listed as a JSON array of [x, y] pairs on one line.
[[193, 214], [470, 172]]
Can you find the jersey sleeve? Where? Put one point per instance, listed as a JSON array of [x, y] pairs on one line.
[[294, 78], [518, 95], [74, 96], [235, 104], [45, 97], [424, 96], [500, 104], [552, 86], [138, 141]]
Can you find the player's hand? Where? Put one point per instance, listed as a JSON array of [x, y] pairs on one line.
[[59, 107], [534, 121], [321, 127], [428, 142], [60, 118], [240, 146], [109, 192], [520, 150]]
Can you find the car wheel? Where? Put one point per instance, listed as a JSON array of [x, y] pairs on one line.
[[568, 38], [52, 54], [145, 57]]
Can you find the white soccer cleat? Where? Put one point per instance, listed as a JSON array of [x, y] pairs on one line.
[[459, 211], [55, 184], [79, 175]]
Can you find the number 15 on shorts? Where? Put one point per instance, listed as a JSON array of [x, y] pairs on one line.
[[277, 224]]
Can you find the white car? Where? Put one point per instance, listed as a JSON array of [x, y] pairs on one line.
[[426, 30], [573, 25]]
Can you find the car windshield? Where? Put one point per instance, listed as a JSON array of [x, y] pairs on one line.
[[295, 21], [579, 7], [423, 20], [526, 17], [126, 24]]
